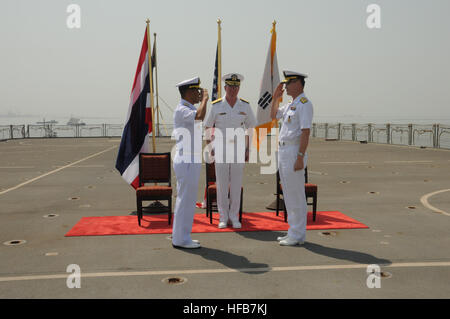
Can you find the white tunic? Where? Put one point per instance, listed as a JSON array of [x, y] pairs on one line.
[[296, 116], [188, 133], [238, 120]]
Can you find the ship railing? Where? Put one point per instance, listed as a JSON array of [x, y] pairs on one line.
[[422, 135]]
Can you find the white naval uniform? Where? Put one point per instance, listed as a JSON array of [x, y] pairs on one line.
[[229, 168], [187, 166], [295, 116]]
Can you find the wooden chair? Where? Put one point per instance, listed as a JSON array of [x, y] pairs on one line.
[[310, 192], [211, 192], [154, 168]]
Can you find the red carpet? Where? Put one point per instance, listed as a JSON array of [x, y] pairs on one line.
[[157, 224]]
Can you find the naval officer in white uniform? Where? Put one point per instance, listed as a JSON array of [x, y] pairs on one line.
[[187, 160], [231, 147], [293, 141]]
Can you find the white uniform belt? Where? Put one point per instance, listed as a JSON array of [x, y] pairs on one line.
[[229, 141], [188, 153], [285, 143]]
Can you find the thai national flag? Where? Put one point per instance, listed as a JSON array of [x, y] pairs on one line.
[[135, 136]]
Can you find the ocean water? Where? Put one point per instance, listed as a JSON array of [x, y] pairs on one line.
[[358, 119], [27, 120]]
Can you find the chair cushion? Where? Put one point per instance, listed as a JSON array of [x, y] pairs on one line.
[[212, 189], [310, 188], [154, 191]]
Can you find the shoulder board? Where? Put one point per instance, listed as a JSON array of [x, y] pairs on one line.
[[303, 100], [215, 101], [244, 101]]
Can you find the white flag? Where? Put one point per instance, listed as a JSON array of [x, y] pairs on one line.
[[270, 80]]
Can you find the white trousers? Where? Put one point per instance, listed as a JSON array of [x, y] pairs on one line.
[[187, 175], [293, 191], [229, 179]]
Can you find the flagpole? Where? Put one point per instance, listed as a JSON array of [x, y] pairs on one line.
[[219, 62], [156, 85], [281, 99], [276, 121], [271, 64], [151, 84]]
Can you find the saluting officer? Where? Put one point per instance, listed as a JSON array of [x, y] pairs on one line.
[[232, 118], [187, 160], [293, 141]]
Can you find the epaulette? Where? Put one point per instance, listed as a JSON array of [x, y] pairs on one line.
[[218, 100], [245, 101], [303, 100]]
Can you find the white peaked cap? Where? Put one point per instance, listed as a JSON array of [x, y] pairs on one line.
[[192, 83]]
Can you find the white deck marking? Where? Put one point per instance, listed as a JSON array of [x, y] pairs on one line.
[[411, 162], [344, 162], [55, 171], [424, 201], [222, 270], [83, 166]]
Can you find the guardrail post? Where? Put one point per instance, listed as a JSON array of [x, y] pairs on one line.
[[410, 134], [369, 132], [314, 129], [339, 132], [326, 130], [11, 134], [388, 133], [353, 132], [438, 136], [433, 131]]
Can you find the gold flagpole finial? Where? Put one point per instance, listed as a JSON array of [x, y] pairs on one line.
[[219, 21], [147, 21]]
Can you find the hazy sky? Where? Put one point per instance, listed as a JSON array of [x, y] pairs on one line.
[[399, 71]]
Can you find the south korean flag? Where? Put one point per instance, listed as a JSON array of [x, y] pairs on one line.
[[269, 82]]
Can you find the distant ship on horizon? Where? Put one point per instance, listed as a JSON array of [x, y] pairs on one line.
[[47, 122], [75, 121]]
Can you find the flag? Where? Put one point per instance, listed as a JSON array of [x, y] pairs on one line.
[[135, 136], [217, 81], [214, 95], [153, 58], [270, 80], [154, 54]]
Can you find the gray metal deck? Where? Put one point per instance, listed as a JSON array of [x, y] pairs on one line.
[[380, 185]]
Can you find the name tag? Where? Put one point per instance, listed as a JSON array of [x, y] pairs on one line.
[[223, 113], [293, 108], [242, 113]]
